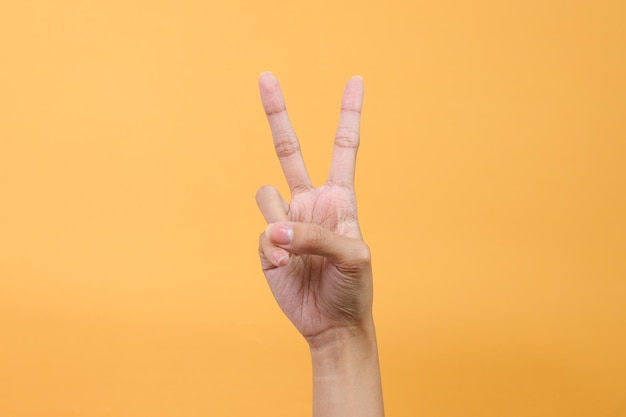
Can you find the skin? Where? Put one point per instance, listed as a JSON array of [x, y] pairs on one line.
[[317, 264]]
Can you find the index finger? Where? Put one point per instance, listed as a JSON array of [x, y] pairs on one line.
[[285, 140]]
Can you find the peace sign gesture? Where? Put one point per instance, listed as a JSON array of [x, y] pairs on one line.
[[316, 262], [312, 253]]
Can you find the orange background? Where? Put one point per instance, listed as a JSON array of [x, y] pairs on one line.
[[491, 185]]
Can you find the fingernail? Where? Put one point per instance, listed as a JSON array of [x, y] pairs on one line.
[[280, 257], [279, 233]]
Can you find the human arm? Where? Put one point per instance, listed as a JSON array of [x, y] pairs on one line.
[[317, 265]]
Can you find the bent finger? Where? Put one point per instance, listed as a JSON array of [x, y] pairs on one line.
[[271, 255], [272, 205]]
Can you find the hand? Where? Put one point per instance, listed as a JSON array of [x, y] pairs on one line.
[[312, 253], [317, 264]]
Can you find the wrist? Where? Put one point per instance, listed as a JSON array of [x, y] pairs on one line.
[[335, 337], [343, 348]]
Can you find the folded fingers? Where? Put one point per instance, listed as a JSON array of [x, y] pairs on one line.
[[274, 209]]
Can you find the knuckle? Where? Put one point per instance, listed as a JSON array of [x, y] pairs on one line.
[[287, 147], [345, 142], [351, 109], [264, 242], [347, 138], [265, 246], [301, 188], [362, 253], [275, 109], [264, 191], [260, 193]]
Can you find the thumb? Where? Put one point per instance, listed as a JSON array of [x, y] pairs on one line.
[[313, 239]]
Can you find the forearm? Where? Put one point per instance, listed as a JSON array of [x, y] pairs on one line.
[[346, 373]]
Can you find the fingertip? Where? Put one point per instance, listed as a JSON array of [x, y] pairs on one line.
[[353, 94], [271, 95], [265, 74], [267, 80], [356, 79], [279, 233]]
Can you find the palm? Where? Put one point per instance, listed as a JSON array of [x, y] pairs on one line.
[[310, 289], [307, 289]]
